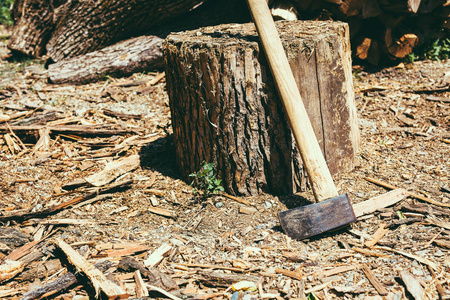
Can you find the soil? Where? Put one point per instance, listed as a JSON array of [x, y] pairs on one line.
[[405, 142]]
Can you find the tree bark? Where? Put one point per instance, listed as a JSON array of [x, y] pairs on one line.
[[122, 59], [70, 28], [144, 52], [225, 108]]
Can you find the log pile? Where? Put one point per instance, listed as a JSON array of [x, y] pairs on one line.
[[381, 30], [384, 30]]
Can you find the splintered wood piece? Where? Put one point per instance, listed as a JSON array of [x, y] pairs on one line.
[[412, 195], [116, 114], [438, 99], [126, 251], [78, 130], [160, 290], [67, 222], [437, 222], [382, 201], [337, 270], [43, 144], [212, 267], [67, 204], [368, 252], [381, 231], [157, 256], [98, 279], [4, 118], [10, 268], [41, 270], [374, 281], [157, 78], [442, 292], [217, 279], [61, 283], [442, 243], [292, 274], [141, 289], [162, 212], [22, 251], [412, 285], [412, 256], [113, 170]]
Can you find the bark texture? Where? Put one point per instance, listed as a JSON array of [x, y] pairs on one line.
[[68, 28], [225, 108], [122, 59]]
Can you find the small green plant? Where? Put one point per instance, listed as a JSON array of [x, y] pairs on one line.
[[439, 49], [206, 180], [5, 17], [434, 49]]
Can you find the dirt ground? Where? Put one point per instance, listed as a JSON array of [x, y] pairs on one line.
[[405, 142]]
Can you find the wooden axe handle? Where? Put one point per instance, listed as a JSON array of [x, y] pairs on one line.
[[313, 160]]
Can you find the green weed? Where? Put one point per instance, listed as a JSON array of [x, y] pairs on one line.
[[5, 17], [435, 50], [206, 180]]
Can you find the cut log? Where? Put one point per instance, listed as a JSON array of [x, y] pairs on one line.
[[225, 108], [410, 6], [402, 46], [70, 28], [122, 59]]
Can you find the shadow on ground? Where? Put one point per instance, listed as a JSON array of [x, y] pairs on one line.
[[160, 156]]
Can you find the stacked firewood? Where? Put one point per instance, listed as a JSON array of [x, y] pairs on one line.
[[381, 30], [384, 29]]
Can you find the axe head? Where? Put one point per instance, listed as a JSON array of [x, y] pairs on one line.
[[310, 220]]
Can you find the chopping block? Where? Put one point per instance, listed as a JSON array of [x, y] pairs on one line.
[[225, 107]]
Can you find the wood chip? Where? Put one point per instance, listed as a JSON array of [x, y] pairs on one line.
[[157, 256], [113, 170], [97, 278], [382, 201], [374, 281], [159, 290], [338, 270], [412, 285], [141, 289], [162, 212], [381, 231], [10, 268], [293, 274]]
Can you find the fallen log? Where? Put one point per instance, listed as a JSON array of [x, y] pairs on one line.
[[121, 59]]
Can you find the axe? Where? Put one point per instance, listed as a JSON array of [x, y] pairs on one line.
[[331, 210]]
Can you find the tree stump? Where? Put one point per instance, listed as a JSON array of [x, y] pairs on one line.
[[225, 108]]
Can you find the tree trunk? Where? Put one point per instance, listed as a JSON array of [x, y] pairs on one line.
[[225, 108]]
